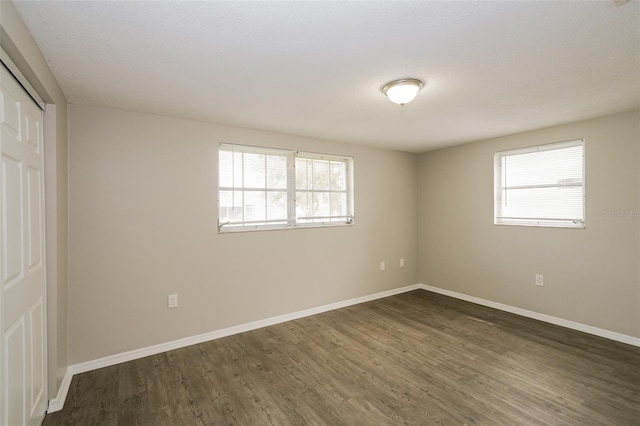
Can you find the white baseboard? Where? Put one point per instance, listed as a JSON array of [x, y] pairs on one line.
[[618, 337], [57, 403]]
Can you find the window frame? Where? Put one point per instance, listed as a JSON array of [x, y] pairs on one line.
[[532, 221], [292, 221]]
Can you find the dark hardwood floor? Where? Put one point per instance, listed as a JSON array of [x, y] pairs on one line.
[[417, 358]]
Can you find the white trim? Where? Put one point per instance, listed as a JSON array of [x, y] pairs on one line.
[[22, 80], [612, 335], [57, 403]]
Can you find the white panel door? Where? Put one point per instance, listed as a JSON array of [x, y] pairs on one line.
[[22, 270]]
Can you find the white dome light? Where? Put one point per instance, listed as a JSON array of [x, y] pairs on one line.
[[402, 91]]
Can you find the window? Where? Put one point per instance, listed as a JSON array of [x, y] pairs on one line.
[[263, 188], [540, 186]]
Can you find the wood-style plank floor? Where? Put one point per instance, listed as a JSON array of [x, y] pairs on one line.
[[417, 358]]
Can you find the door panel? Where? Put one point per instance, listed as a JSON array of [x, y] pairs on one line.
[[36, 354], [11, 221], [34, 215], [23, 358], [14, 351]]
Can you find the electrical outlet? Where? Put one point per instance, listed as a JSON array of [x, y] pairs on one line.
[[382, 266], [540, 280], [172, 301], [402, 263]]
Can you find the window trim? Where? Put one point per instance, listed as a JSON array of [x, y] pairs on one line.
[[292, 222], [537, 222]]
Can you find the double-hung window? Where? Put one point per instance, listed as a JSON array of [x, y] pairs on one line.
[[263, 188], [541, 186]]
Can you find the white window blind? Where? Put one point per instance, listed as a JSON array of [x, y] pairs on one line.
[[262, 188], [541, 186]]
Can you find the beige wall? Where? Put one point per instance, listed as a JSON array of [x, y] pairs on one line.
[[23, 51], [143, 209], [143, 199], [591, 275]]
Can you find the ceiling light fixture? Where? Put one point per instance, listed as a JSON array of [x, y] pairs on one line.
[[402, 91]]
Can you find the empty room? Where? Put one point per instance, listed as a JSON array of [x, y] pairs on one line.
[[320, 212]]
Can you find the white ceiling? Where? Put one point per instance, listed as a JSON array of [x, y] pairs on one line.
[[316, 68]]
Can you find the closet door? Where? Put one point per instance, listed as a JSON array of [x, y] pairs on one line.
[[23, 359]]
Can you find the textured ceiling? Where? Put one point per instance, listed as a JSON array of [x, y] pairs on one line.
[[316, 68]]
